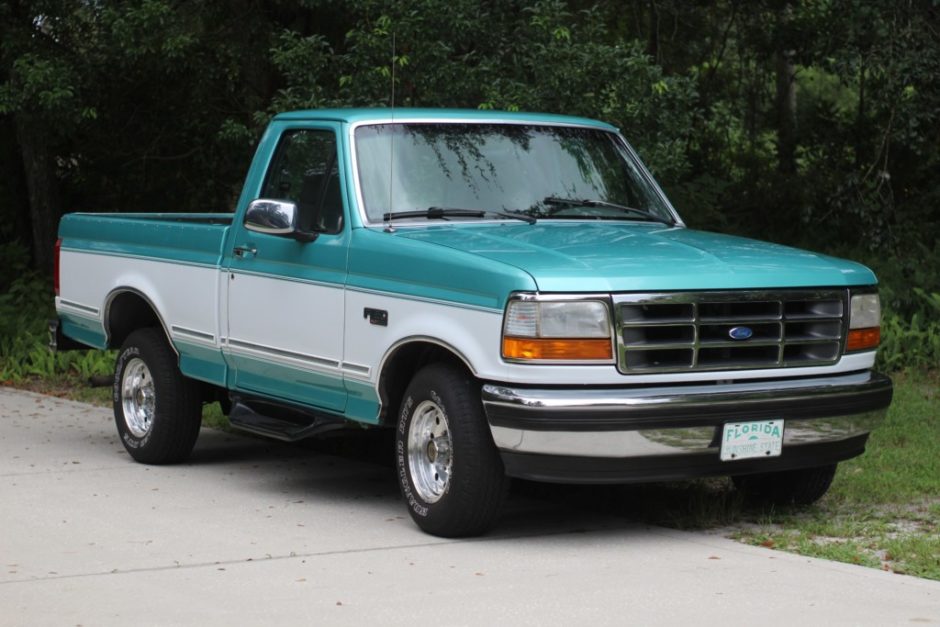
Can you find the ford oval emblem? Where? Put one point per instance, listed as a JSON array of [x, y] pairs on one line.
[[740, 333]]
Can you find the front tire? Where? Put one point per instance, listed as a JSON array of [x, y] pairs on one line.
[[450, 473], [156, 409], [790, 487]]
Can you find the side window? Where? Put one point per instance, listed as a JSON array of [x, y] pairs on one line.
[[304, 171]]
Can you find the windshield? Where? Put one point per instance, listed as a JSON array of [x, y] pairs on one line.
[[540, 171]]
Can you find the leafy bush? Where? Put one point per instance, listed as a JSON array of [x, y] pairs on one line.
[[911, 343], [25, 308]]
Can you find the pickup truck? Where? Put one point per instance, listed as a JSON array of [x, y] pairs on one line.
[[511, 293]]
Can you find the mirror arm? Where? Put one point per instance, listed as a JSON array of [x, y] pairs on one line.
[[305, 237]]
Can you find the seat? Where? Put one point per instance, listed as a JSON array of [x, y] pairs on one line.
[[330, 219], [307, 202]]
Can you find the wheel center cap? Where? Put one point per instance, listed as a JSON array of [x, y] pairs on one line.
[[432, 451]]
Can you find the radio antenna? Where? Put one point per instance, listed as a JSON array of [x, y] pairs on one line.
[[391, 145], [393, 73]]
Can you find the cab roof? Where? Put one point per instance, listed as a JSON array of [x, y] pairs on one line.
[[385, 115]]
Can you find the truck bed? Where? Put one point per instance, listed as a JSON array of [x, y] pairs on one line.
[[169, 259]]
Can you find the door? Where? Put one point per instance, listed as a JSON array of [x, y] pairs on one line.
[[285, 297]]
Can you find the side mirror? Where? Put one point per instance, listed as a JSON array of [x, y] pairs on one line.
[[275, 217]]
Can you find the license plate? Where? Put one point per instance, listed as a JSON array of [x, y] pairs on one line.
[[744, 440]]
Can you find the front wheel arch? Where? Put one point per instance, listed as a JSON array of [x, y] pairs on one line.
[[402, 363]]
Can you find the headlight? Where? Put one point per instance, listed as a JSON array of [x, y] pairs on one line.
[[557, 330], [864, 323]]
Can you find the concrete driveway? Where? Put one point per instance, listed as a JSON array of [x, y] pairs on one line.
[[258, 532]]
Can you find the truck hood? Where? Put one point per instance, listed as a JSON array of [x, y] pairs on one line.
[[631, 256]]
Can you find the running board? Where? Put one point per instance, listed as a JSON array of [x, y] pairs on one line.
[[287, 424]]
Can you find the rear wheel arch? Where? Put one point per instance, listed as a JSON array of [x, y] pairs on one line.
[[127, 310]]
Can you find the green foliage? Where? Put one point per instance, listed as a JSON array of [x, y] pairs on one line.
[[155, 105], [910, 297], [909, 343], [14, 259], [692, 85], [46, 85], [540, 56], [138, 99], [25, 308], [865, 120]]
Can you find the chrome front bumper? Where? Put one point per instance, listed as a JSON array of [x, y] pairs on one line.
[[677, 428]]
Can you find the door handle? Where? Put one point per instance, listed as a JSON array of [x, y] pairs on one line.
[[246, 251]]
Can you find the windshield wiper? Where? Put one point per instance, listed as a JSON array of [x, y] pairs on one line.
[[590, 202], [441, 213]]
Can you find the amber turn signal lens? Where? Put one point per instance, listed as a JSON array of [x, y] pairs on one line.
[[557, 349], [862, 339]]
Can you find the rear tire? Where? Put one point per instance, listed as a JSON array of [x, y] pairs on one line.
[[790, 487], [156, 409], [450, 473]]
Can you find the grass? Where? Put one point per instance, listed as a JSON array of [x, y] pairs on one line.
[[79, 375], [903, 460]]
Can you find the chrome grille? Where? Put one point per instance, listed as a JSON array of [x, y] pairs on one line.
[[691, 331]]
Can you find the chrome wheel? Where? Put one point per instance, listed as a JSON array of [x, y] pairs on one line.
[[451, 476], [430, 455], [137, 397]]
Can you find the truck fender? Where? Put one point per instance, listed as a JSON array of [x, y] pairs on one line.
[[128, 308]]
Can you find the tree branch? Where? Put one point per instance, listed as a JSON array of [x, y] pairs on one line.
[[724, 43]]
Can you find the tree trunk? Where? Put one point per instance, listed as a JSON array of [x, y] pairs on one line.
[[14, 211], [652, 39], [786, 112], [42, 187], [860, 134]]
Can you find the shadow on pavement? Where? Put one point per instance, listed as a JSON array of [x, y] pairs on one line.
[[359, 465]]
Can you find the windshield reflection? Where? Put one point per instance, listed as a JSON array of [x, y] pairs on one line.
[[512, 168]]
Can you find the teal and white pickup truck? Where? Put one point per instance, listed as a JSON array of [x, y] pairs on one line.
[[511, 293]]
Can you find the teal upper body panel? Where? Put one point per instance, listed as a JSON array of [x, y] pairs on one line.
[[175, 237], [396, 263], [593, 256]]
